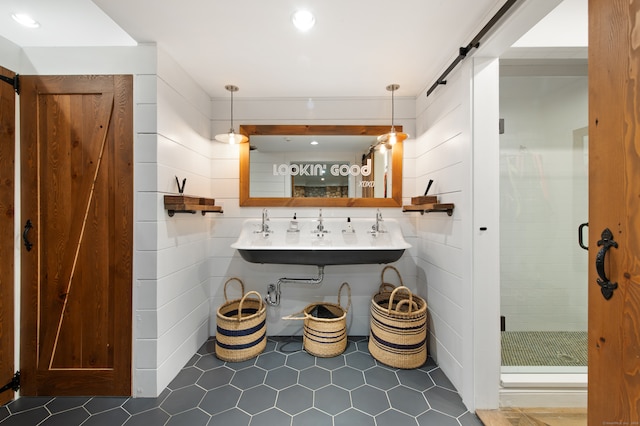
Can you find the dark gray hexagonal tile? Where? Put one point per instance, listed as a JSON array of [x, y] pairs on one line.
[[193, 360], [27, 403], [300, 360], [65, 403], [207, 362], [155, 416], [4, 412], [381, 378], [353, 417], [194, 417], [314, 377], [351, 347], [215, 378], [138, 405], [290, 344], [363, 346], [347, 378], [186, 376], [469, 419], [312, 417], [294, 399], [331, 363], [208, 347], [100, 404], [441, 380], [257, 399], [270, 346], [272, 417], [445, 401], [183, 399], [360, 360], [370, 400], [116, 416], [407, 400], [248, 378], [241, 365], [281, 378], [220, 399], [271, 360], [433, 417], [28, 417], [332, 399], [74, 416], [415, 379], [394, 417], [230, 417]]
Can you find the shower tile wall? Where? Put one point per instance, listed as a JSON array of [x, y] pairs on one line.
[[543, 187]]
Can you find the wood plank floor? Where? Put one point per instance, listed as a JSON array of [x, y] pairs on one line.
[[534, 417]]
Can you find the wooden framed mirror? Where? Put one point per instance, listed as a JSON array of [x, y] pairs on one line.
[[278, 157]]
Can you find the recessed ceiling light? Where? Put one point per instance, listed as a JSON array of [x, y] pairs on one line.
[[314, 142], [303, 20], [26, 20]]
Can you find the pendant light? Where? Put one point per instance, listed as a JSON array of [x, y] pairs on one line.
[[387, 140], [231, 137]]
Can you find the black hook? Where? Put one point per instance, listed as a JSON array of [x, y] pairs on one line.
[[181, 188]]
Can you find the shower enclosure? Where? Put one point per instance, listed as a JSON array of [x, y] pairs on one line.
[[543, 201]]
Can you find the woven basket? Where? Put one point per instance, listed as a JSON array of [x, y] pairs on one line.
[[398, 336], [241, 326], [325, 326]]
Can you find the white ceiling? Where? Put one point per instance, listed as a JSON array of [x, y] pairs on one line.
[[356, 48]]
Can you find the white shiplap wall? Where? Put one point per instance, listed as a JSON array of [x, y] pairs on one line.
[[443, 153]]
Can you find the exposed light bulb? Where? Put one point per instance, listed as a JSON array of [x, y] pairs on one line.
[[232, 138], [393, 138]]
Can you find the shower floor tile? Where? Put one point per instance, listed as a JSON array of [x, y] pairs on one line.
[[284, 386]]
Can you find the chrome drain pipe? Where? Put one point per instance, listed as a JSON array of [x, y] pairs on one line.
[[273, 290]]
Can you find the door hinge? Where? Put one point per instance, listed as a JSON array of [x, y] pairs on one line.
[[13, 385], [15, 82]]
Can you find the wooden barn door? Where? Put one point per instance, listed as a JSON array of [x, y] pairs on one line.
[[7, 207], [77, 213], [614, 212]]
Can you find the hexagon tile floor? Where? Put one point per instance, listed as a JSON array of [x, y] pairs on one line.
[[284, 386]]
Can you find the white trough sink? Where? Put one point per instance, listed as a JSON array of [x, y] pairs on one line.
[[342, 243]]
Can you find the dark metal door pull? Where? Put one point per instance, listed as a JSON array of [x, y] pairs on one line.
[[25, 237], [580, 235], [606, 286]]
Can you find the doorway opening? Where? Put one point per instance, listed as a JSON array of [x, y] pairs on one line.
[[543, 201]]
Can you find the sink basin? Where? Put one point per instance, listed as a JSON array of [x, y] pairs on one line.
[[308, 246]]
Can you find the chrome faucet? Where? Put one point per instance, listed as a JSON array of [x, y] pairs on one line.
[[377, 228], [320, 228], [264, 228]]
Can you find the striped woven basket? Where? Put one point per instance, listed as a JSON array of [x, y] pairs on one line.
[[325, 326], [241, 332], [398, 336]]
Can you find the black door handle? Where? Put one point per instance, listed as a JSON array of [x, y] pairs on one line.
[[580, 234], [25, 237], [606, 286]]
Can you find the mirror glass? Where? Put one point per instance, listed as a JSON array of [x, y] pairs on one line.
[[323, 165]]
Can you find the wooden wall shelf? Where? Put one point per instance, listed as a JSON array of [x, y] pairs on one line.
[[429, 208], [188, 204]]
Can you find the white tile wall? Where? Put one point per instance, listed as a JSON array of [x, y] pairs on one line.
[[543, 200]]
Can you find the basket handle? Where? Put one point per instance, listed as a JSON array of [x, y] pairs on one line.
[[393, 293], [227, 282], [295, 316], [382, 275], [412, 305], [386, 287], [345, 284], [242, 301]]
